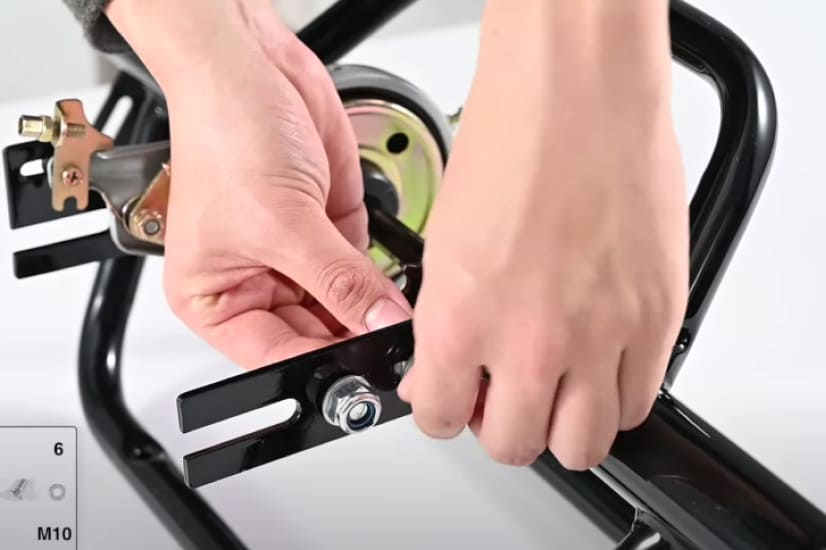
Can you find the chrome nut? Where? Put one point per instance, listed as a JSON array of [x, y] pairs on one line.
[[351, 404]]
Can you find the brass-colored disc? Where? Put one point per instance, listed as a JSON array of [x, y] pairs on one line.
[[400, 145]]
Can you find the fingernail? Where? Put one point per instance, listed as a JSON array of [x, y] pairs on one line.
[[384, 313]]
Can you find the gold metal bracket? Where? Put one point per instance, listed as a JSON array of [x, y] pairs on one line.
[[147, 217], [74, 140]]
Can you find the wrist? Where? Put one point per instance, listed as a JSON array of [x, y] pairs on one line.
[[189, 40], [617, 53]]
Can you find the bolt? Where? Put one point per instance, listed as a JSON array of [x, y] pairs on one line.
[[40, 128], [150, 222], [15, 492], [43, 128], [351, 404], [151, 227], [72, 176], [75, 130]]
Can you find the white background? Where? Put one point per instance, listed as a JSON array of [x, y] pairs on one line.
[[57, 57], [757, 371]]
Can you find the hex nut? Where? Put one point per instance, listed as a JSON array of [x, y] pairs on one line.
[[351, 404], [149, 223]]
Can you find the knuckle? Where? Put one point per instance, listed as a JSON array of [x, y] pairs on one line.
[[580, 458], [452, 351], [662, 306], [538, 375], [347, 284], [541, 363], [634, 414], [601, 323], [439, 425], [443, 338], [514, 455], [176, 298]]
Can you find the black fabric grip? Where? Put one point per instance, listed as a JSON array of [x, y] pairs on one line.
[[96, 26]]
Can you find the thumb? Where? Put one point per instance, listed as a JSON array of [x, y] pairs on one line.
[[343, 280]]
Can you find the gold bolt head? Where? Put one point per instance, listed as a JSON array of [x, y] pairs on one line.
[[40, 128], [72, 176]]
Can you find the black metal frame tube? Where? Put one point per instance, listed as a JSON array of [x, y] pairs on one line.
[[643, 537], [606, 509], [346, 24], [142, 461], [703, 489], [137, 455], [732, 182]]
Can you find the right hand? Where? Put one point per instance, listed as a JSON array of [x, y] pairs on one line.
[[267, 230]]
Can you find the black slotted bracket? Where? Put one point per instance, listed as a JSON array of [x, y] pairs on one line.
[[29, 196], [376, 357], [302, 379]]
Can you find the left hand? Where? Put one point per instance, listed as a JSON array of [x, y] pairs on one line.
[[556, 258]]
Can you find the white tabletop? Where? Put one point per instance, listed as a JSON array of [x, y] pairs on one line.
[[756, 371]]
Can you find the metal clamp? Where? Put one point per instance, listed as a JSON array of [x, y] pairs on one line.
[[74, 140]]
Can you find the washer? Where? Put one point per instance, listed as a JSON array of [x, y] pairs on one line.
[[57, 491]]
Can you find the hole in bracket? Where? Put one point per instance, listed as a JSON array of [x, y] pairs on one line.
[[398, 143], [32, 168], [117, 117], [361, 416], [282, 413]]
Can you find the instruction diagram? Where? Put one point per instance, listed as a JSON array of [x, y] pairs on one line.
[[38, 482]]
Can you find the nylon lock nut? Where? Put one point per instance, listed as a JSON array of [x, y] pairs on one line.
[[351, 404]]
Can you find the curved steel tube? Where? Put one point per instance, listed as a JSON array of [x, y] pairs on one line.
[[137, 455], [346, 24], [705, 490], [734, 177]]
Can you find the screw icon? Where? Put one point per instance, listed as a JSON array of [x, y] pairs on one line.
[[17, 490]]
